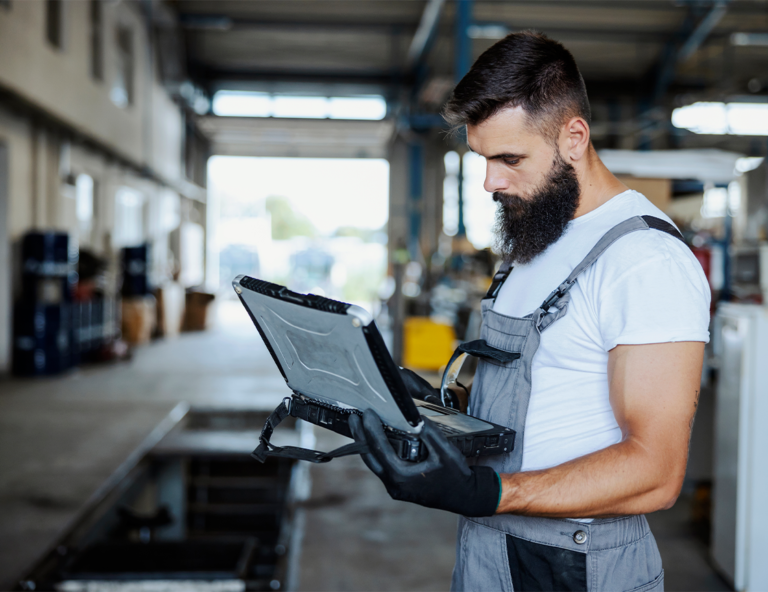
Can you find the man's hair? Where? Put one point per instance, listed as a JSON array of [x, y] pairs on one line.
[[527, 70]]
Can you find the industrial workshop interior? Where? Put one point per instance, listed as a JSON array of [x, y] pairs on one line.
[[195, 195]]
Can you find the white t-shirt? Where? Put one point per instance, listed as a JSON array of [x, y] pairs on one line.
[[647, 287]]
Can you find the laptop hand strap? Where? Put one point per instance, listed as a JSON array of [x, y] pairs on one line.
[[266, 449], [479, 349]]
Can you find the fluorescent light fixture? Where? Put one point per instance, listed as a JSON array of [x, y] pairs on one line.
[[357, 108], [254, 104], [304, 107], [754, 39], [739, 119], [748, 163], [487, 31], [748, 119], [242, 104]]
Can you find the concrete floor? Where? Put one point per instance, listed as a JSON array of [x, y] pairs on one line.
[[357, 538], [61, 438]]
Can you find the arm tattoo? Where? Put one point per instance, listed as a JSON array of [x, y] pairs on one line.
[[690, 426], [695, 408]]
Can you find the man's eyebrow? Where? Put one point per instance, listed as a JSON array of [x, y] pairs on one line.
[[505, 155], [510, 155]]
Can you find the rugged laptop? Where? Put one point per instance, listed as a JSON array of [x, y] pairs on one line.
[[334, 360]]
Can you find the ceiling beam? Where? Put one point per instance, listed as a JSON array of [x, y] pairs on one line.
[[675, 53], [425, 34], [595, 35], [702, 31], [214, 74], [219, 22]]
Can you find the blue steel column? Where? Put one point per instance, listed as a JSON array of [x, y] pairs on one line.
[[462, 63], [463, 44], [726, 292], [416, 166], [461, 228]]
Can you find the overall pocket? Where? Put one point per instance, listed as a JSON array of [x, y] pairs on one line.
[[534, 567], [656, 585]]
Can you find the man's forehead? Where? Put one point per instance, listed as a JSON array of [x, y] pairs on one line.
[[508, 131], [506, 116]]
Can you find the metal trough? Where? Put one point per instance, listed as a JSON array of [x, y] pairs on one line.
[[189, 511]]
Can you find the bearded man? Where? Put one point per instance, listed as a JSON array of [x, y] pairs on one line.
[[609, 311]]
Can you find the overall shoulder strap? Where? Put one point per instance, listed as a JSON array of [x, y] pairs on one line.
[[498, 280], [623, 228]]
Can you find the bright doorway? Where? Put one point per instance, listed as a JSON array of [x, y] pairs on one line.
[[316, 225]]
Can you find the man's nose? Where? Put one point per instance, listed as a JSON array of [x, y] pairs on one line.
[[494, 180]]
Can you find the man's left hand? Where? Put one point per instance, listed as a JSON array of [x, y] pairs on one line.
[[420, 389], [443, 480]]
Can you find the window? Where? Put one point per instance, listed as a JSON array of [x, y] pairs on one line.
[[129, 218], [97, 51], [479, 207], [54, 16], [258, 104], [84, 194], [451, 194], [192, 256], [122, 88]]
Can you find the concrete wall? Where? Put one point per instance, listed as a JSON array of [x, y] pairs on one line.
[[5, 264], [58, 122], [17, 134], [60, 81]]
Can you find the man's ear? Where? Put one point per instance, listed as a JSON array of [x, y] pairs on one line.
[[575, 139]]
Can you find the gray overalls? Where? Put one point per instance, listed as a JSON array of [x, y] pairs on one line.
[[508, 552]]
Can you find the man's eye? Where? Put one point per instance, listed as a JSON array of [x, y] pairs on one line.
[[511, 161]]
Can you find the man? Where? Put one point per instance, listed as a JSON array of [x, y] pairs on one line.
[[609, 310]]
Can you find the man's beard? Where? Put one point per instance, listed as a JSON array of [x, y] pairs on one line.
[[526, 227]]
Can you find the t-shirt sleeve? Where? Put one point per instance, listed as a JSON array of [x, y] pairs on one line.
[[652, 290]]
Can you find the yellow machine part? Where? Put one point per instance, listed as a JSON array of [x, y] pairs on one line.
[[427, 344]]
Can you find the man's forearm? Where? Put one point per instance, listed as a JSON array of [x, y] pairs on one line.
[[644, 472], [619, 480]]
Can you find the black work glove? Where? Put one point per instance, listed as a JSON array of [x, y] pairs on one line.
[[420, 389], [443, 480]]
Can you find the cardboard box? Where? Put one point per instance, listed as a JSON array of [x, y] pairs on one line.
[[170, 309], [196, 311], [139, 318], [658, 191]]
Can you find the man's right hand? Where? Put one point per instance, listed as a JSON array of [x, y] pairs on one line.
[[443, 480]]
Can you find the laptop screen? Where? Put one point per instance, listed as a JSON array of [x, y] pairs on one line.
[[327, 354]]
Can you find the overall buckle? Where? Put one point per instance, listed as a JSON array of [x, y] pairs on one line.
[[559, 292]]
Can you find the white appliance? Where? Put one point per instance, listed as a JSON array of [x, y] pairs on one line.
[[740, 489]]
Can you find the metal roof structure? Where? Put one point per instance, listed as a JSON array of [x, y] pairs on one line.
[[639, 58]]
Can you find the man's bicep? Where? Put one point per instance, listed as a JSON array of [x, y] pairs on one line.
[[654, 391]]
